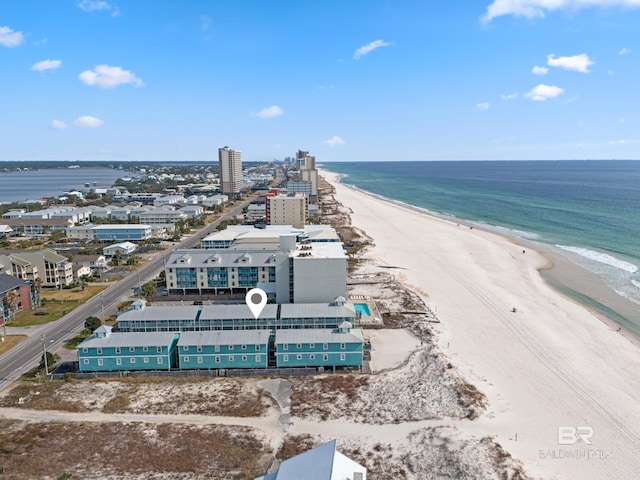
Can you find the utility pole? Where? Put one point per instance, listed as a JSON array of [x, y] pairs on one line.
[[44, 353]]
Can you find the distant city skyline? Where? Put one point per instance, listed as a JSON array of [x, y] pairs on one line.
[[143, 80]]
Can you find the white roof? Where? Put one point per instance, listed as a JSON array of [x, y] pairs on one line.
[[323, 462], [225, 337], [318, 335], [315, 310], [137, 339]]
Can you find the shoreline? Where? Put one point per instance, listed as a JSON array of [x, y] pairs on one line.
[[550, 363], [559, 272]]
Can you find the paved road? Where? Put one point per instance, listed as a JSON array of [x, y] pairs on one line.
[[28, 353]]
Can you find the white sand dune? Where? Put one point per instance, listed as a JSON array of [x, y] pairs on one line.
[[550, 364]]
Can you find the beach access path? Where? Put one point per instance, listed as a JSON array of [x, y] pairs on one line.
[[562, 385]]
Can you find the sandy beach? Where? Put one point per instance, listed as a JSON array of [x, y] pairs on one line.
[[546, 364]]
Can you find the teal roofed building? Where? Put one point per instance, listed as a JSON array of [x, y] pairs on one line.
[[223, 349], [315, 347], [106, 351]]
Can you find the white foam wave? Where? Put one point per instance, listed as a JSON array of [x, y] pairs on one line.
[[636, 283], [601, 258]]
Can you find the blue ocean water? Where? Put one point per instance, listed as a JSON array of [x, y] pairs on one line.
[[50, 182], [587, 210]]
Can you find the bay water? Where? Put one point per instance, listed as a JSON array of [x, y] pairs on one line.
[[52, 182]]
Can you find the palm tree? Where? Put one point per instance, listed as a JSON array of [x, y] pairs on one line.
[[11, 300], [37, 284]]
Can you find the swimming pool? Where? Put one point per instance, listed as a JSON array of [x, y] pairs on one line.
[[362, 309]]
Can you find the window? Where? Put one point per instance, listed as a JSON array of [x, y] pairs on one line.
[[244, 358], [244, 347], [185, 359], [118, 361], [146, 360], [298, 357], [132, 349], [312, 345], [217, 348], [199, 348], [185, 348], [145, 349], [257, 358], [342, 357], [86, 361], [285, 358], [312, 357], [159, 360], [285, 347], [325, 357], [99, 350], [298, 346], [231, 358], [85, 350], [132, 360], [217, 359], [342, 346], [257, 348], [230, 347], [159, 349], [325, 346], [100, 361]]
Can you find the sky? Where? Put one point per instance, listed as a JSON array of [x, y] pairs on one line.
[[358, 80]]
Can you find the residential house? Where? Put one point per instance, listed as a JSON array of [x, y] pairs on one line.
[[320, 463], [107, 351], [223, 349], [24, 292], [315, 347]]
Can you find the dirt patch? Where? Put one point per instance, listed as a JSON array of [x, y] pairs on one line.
[[204, 395], [114, 450]]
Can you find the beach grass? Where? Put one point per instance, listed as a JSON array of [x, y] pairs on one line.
[[11, 341]]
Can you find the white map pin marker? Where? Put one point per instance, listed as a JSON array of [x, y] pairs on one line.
[[256, 299]]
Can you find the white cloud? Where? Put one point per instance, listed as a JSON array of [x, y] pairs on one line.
[[369, 47], [270, 112], [622, 141], [46, 65], [543, 92], [578, 63], [10, 38], [537, 8], [98, 6], [334, 141], [536, 70], [483, 105], [624, 51], [109, 77], [58, 125], [205, 23], [88, 121], [509, 96]]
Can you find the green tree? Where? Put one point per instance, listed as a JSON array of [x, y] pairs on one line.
[[52, 359], [11, 300], [91, 323], [149, 290], [57, 235], [37, 285]]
